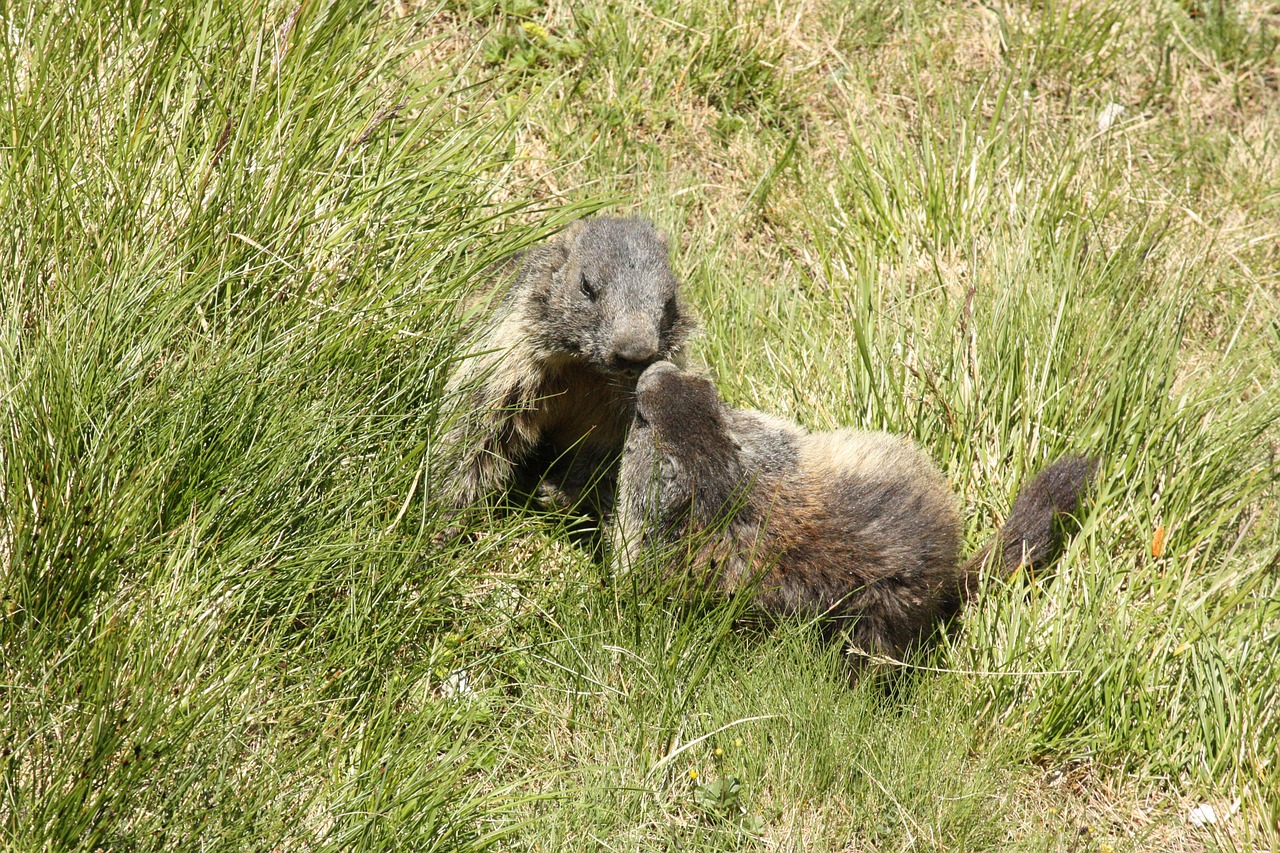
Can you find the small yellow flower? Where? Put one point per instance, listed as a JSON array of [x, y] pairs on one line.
[[737, 742], [534, 31], [719, 751], [693, 774]]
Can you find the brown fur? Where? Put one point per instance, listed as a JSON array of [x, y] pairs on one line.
[[858, 529]]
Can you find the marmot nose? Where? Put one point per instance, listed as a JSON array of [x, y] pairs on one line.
[[631, 366], [633, 356], [652, 375]]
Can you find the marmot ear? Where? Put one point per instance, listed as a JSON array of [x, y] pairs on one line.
[[559, 248], [656, 232]]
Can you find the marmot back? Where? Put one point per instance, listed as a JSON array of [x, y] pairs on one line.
[[544, 394], [855, 527]]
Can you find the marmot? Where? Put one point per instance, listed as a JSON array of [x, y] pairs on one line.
[[544, 393], [856, 528]]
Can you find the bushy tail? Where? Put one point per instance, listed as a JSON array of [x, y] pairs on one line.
[[1032, 535]]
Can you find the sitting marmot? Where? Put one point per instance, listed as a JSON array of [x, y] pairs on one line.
[[545, 394]]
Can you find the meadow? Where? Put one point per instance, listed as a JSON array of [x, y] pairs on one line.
[[235, 239]]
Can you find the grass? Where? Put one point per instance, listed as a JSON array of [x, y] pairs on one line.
[[236, 236]]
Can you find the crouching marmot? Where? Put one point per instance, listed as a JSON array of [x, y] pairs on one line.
[[858, 528], [544, 393]]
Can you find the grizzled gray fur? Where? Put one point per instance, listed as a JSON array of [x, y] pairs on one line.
[[858, 528], [546, 393]]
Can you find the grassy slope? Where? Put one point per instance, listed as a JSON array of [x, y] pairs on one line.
[[233, 243]]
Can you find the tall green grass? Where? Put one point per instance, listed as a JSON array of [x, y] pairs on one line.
[[235, 234]]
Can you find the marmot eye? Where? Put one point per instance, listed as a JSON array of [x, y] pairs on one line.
[[588, 289]]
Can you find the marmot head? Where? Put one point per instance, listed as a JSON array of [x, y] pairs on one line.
[[608, 297], [681, 461]]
